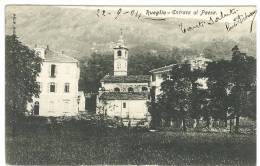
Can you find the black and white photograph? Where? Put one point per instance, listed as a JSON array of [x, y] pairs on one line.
[[130, 85]]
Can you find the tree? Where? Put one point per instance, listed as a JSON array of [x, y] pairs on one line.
[[93, 69], [198, 97], [231, 87], [22, 68], [219, 75], [243, 81], [154, 110], [175, 100]]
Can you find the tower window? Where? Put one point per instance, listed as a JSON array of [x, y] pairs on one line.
[[124, 105], [117, 89], [119, 53], [130, 89]]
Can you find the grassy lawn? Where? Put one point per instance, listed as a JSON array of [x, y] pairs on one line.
[[119, 146]]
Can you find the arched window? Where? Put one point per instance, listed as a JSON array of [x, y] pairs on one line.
[[117, 89], [144, 89], [119, 53], [130, 89]]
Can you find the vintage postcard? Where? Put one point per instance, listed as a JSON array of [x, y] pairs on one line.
[[130, 85]]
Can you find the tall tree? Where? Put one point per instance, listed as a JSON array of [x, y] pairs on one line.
[[198, 97], [231, 87], [243, 80], [22, 68], [175, 100], [219, 75]]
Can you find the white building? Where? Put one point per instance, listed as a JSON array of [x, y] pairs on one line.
[[157, 75], [121, 95], [58, 81]]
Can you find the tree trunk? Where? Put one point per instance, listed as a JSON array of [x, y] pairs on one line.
[[14, 122], [208, 122], [226, 123], [237, 124], [195, 123], [184, 125], [230, 125]]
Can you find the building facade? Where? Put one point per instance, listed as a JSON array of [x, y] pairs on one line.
[[158, 75], [58, 81], [122, 95]]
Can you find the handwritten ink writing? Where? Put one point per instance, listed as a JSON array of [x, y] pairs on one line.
[[155, 13], [118, 13], [180, 12], [240, 19], [210, 21]]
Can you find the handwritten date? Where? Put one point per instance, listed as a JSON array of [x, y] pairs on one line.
[[118, 13]]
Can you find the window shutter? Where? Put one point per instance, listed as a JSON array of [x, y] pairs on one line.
[[56, 70]]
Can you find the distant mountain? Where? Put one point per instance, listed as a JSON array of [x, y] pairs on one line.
[[79, 32]]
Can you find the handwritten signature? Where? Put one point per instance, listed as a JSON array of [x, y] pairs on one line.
[[239, 19]]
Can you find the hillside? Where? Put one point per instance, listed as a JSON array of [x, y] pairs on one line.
[[79, 32]]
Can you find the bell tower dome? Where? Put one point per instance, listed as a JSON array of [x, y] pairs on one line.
[[120, 57]]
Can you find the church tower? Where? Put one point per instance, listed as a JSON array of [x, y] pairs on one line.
[[120, 57]]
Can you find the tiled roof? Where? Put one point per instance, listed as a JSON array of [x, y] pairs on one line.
[[126, 79], [52, 56], [124, 96]]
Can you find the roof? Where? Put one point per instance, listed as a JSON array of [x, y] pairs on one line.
[[126, 79], [169, 67], [52, 56], [163, 69], [124, 96]]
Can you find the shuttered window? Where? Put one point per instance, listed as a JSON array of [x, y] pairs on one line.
[[52, 87], [67, 88]]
